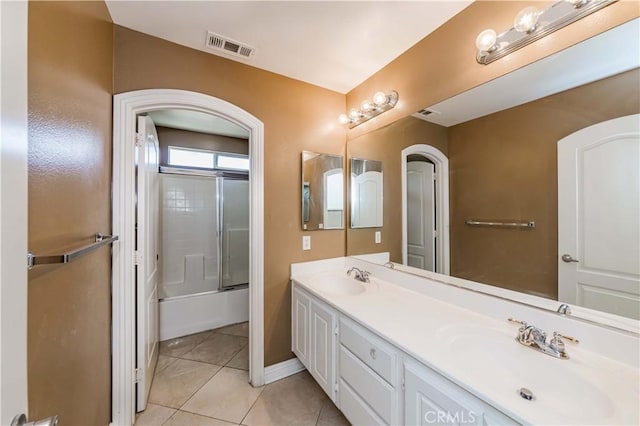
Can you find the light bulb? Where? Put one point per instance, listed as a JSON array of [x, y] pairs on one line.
[[343, 119], [366, 106], [379, 98], [486, 40], [526, 20], [577, 3], [354, 114]]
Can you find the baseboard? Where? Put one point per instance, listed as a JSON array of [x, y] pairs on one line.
[[282, 369]]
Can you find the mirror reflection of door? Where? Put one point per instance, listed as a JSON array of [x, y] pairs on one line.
[[598, 211], [334, 199], [421, 207]]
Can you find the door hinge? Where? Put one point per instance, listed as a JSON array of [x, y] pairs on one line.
[[139, 139], [402, 385], [139, 375], [335, 330], [137, 257], [335, 388], [435, 233]]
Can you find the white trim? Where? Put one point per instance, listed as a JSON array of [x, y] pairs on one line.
[[126, 106], [13, 210], [442, 202], [282, 369]]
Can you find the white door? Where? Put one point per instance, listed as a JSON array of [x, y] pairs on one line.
[[599, 217], [148, 230], [421, 243], [13, 211], [366, 199]]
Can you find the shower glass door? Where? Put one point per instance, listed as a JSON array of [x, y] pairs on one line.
[[190, 247], [235, 232]]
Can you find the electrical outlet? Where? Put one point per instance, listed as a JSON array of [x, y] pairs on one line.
[[306, 242], [378, 237]]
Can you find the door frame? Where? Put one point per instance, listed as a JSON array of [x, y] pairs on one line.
[[13, 210], [442, 202], [126, 106]]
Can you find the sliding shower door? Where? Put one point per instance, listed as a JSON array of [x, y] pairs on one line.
[[190, 247], [235, 231]]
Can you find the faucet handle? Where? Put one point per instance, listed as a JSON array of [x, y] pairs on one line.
[[557, 335], [523, 324]]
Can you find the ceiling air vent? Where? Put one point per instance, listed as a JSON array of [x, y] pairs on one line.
[[424, 114], [228, 46]]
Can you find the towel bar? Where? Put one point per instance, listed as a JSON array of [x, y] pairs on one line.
[[100, 240]]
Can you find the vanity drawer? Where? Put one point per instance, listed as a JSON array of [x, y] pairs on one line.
[[377, 393], [355, 409], [370, 349]]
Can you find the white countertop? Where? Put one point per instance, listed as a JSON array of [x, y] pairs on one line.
[[480, 354]]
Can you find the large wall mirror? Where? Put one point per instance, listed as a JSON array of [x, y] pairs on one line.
[[543, 180], [322, 191]]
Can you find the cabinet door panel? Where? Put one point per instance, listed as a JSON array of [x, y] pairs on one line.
[[323, 356], [300, 341]]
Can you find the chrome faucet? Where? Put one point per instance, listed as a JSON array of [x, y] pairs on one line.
[[389, 265], [564, 309], [536, 338], [360, 275]]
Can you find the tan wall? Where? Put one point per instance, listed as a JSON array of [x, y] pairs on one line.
[[297, 116], [504, 167], [386, 145], [175, 137], [70, 85], [443, 64]]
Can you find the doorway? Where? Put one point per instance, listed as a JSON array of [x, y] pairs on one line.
[[425, 208], [127, 107]]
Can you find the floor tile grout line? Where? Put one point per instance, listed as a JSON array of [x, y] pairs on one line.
[[203, 385], [254, 402], [204, 415]]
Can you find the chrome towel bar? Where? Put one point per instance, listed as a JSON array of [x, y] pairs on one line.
[[100, 240], [530, 224]]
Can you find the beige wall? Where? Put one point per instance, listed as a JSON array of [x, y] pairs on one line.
[[297, 116], [504, 167], [386, 145], [175, 137], [70, 85], [443, 64]]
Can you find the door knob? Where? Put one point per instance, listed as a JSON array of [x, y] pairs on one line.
[[567, 258]]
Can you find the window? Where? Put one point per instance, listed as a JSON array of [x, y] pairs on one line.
[[202, 159], [232, 162], [190, 157]]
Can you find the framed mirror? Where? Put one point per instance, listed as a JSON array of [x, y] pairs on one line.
[[366, 193], [322, 191], [543, 206]]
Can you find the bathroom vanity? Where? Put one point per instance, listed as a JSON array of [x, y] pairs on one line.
[[404, 349]]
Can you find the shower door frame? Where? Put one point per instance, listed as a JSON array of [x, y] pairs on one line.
[[126, 107], [220, 175]]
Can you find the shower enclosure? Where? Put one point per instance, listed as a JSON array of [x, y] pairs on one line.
[[204, 218]]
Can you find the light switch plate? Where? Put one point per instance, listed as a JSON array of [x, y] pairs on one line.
[[378, 237], [306, 242]]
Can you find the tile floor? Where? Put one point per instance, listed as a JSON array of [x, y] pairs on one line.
[[202, 380]]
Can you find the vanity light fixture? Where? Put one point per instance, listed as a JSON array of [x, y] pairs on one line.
[[380, 103], [531, 24]]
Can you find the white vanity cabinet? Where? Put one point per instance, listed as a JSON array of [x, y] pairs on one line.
[[431, 399], [314, 329], [369, 376]]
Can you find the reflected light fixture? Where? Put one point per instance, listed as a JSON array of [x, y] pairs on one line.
[[531, 24], [380, 103]]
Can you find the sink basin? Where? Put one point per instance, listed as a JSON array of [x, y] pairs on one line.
[[337, 285], [495, 355]]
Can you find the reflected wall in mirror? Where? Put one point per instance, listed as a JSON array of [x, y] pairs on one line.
[[322, 191], [366, 193], [511, 164]]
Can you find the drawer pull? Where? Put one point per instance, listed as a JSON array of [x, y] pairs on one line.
[[372, 352]]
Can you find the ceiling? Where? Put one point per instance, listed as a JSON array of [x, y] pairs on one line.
[[332, 44]]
